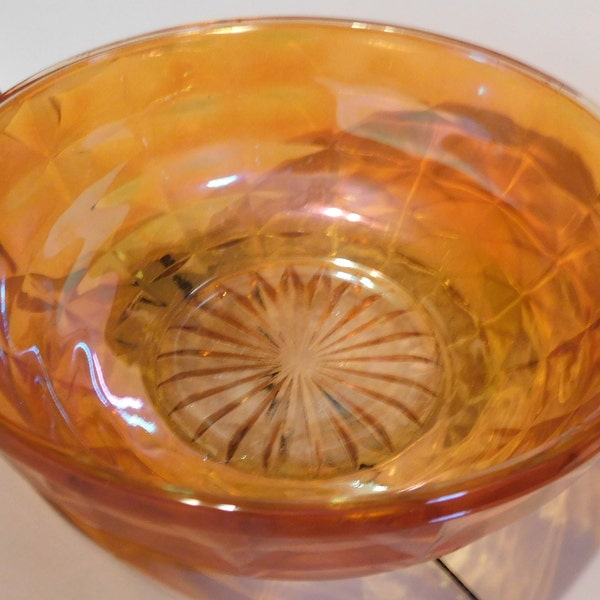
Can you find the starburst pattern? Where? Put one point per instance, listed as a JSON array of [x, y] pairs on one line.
[[301, 370]]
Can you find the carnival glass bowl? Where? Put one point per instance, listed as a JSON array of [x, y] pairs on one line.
[[297, 298]]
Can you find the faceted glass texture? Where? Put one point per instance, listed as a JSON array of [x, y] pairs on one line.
[[297, 298]]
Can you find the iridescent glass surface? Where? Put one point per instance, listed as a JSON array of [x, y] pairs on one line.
[[297, 298]]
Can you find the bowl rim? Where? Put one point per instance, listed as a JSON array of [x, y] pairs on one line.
[[445, 500], [430, 503], [244, 23]]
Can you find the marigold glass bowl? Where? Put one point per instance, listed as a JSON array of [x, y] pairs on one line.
[[297, 298]]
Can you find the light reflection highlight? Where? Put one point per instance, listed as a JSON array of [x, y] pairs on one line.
[[447, 497], [370, 486], [44, 379], [230, 30], [190, 501], [333, 211], [222, 181], [366, 282], [345, 276], [456, 515], [121, 403], [227, 507], [376, 487], [4, 310], [337, 213], [479, 57], [343, 263]]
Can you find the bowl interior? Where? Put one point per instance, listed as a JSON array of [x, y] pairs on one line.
[[298, 261]]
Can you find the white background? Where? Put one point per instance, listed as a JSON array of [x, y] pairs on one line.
[[40, 556]]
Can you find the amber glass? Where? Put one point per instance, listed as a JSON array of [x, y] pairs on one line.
[[297, 298]]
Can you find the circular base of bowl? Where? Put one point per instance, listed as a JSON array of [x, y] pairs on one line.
[[298, 369]]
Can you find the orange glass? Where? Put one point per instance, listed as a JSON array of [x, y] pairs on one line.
[[297, 298]]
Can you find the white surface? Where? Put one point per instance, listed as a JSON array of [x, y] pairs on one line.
[[553, 554], [42, 557]]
